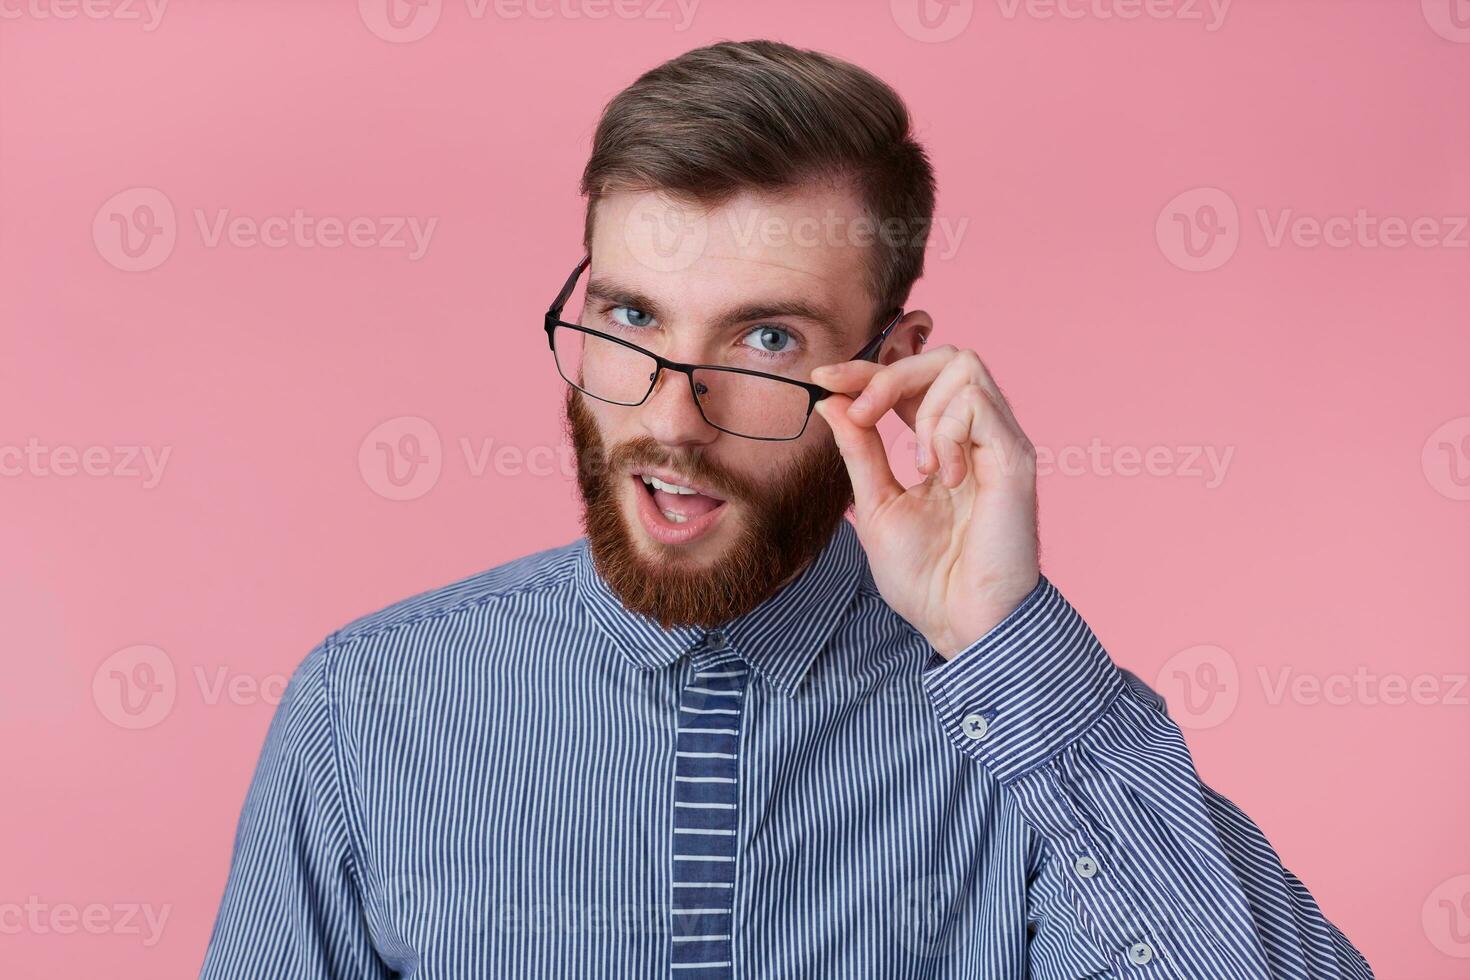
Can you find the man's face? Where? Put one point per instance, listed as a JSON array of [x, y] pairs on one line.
[[760, 282]]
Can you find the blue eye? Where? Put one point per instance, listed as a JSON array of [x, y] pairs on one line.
[[626, 316], [771, 340]]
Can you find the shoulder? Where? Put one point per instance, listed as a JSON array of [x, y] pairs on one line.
[[527, 575]]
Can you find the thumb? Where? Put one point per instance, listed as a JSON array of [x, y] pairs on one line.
[[873, 482]]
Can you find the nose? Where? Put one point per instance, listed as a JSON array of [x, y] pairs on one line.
[[671, 417]]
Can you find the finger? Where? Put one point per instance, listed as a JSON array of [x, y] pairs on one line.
[[960, 372], [845, 376], [891, 384], [1012, 445], [973, 431], [873, 482], [987, 381], [949, 461]]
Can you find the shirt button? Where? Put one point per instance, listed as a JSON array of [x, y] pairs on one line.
[[716, 639], [1086, 867], [1140, 953], [974, 726]]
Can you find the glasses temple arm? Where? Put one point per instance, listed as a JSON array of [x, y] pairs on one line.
[[871, 348], [566, 291]]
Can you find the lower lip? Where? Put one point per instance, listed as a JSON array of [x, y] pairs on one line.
[[665, 531]]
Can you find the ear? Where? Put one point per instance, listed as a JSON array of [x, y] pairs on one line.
[[907, 338]]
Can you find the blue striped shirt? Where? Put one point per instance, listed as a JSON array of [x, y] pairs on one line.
[[515, 776]]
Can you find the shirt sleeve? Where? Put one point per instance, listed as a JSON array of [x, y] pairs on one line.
[[1147, 872], [292, 906]]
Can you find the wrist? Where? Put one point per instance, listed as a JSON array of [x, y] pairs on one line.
[[954, 637]]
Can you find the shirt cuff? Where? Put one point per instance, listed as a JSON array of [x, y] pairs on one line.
[[1025, 690]]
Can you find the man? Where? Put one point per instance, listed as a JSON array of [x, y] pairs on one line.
[[730, 734]]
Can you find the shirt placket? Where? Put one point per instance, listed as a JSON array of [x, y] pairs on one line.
[[706, 767]]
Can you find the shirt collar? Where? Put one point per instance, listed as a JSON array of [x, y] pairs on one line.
[[780, 638]]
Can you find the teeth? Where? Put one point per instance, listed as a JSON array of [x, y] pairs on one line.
[[676, 518], [655, 482]]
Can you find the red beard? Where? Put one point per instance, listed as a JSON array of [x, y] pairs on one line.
[[790, 518]]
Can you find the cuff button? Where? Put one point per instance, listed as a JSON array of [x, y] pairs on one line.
[[975, 727]]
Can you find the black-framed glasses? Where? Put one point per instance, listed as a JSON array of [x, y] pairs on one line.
[[743, 402]]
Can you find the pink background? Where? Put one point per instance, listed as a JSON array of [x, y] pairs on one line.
[[1333, 548]]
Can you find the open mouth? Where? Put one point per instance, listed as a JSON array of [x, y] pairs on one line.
[[674, 512]]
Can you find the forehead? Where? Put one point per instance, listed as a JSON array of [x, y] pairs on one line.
[[805, 244]]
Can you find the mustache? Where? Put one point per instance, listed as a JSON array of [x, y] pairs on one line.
[[643, 451], [598, 463]]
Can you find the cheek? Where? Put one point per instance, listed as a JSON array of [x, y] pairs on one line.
[[759, 463], [611, 420], [818, 435]]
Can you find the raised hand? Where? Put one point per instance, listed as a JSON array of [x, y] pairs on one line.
[[956, 553]]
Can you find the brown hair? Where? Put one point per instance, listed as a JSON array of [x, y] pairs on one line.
[[768, 116]]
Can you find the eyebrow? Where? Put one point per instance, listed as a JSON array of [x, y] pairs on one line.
[[613, 292]]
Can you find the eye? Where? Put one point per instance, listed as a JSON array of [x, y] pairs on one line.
[[771, 340], [626, 316]]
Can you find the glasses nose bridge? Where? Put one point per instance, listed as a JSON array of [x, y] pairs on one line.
[[678, 417], [663, 367]]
